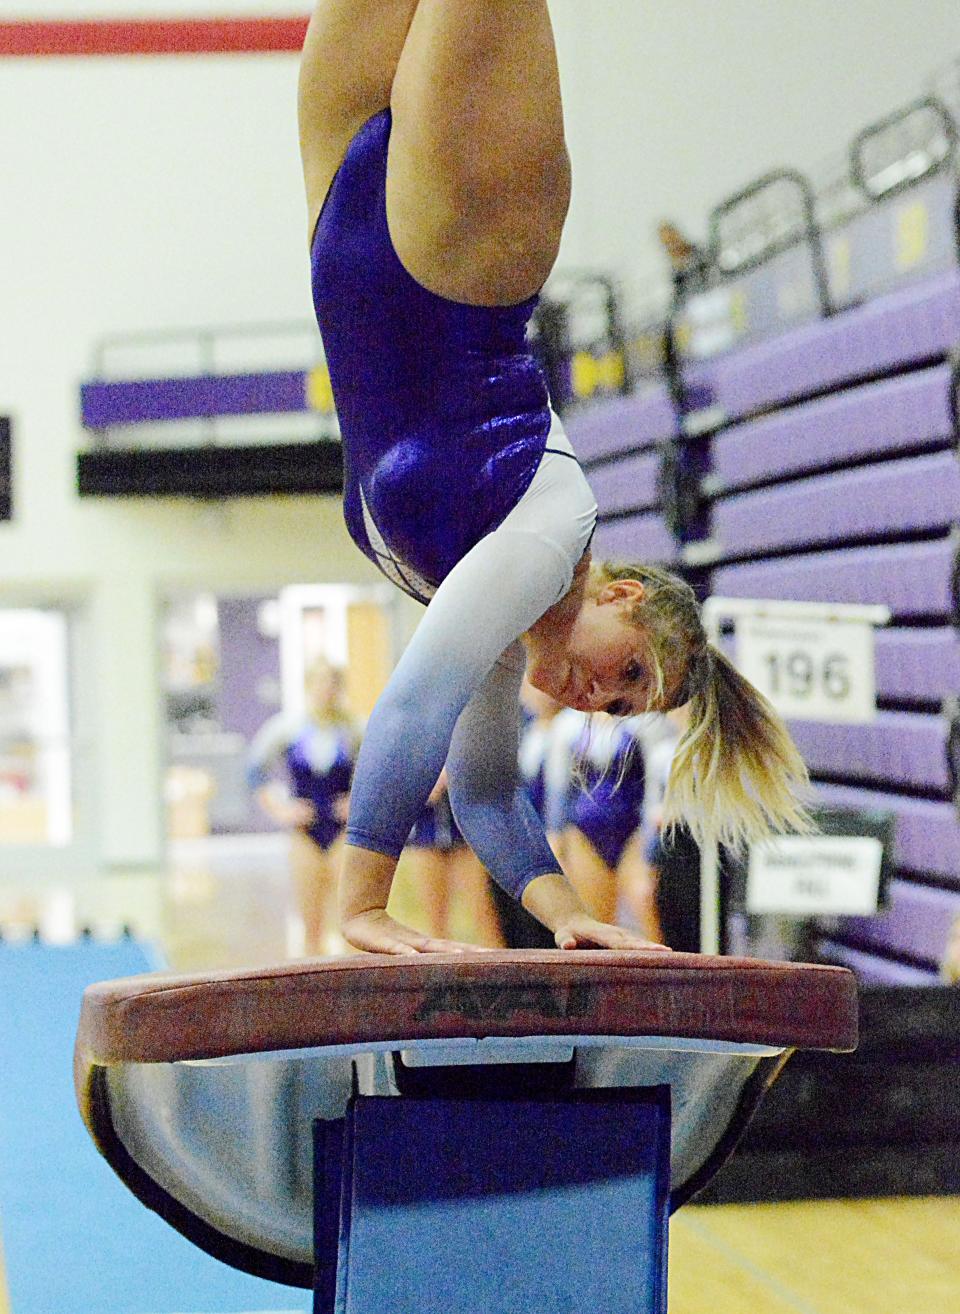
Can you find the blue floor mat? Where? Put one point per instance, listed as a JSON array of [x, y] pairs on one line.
[[74, 1238]]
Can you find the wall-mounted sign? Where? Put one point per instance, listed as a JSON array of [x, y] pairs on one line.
[[815, 875], [6, 469], [811, 670]]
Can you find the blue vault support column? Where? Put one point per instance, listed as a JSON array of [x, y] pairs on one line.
[[459, 1205]]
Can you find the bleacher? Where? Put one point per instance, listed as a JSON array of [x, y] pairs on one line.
[[801, 443]]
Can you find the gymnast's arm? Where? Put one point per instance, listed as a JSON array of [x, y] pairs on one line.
[[496, 593], [500, 823]]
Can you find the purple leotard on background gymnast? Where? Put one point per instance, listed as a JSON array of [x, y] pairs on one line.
[[606, 801], [436, 828], [453, 490], [319, 761]]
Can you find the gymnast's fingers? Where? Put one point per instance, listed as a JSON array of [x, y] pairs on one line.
[[585, 933], [378, 933], [431, 945]]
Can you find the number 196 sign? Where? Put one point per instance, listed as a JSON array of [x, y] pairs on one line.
[[810, 669]]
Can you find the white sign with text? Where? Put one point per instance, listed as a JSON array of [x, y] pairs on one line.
[[811, 670], [815, 875]]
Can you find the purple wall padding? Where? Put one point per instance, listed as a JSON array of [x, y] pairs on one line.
[[622, 424], [906, 496], [635, 538], [875, 971], [913, 579], [902, 748], [628, 484], [917, 922], [917, 663], [148, 401], [914, 324], [878, 417], [927, 837]]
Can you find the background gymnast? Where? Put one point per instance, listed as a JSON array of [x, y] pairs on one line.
[[314, 754], [438, 182]]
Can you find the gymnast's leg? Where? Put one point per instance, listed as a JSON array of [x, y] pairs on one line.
[[478, 176], [346, 74]]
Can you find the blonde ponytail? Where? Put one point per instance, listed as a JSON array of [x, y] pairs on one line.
[[736, 776]]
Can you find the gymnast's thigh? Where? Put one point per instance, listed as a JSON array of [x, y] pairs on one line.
[[478, 177], [349, 60]]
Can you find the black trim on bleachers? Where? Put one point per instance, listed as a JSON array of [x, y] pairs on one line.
[[881, 784], [952, 709], [954, 394], [894, 538], [717, 490]]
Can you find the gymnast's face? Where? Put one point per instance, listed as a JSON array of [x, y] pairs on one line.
[[322, 687], [602, 663]]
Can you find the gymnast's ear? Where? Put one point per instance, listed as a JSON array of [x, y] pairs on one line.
[[622, 590]]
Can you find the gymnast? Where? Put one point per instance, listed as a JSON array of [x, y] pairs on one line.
[[438, 182], [604, 810], [317, 751]]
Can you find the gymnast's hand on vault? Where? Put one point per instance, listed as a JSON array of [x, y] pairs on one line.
[[379, 933], [582, 932]]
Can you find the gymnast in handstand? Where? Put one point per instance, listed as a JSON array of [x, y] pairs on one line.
[[438, 183]]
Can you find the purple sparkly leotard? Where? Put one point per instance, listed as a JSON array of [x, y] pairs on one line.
[[443, 410]]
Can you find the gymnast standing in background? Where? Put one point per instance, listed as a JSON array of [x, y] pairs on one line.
[[438, 183], [300, 769], [604, 812]]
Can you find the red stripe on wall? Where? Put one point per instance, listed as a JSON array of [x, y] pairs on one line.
[[173, 36]]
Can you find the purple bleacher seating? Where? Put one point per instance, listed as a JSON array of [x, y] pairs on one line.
[[913, 325], [878, 417], [918, 664], [903, 497], [629, 484], [903, 748], [873, 970], [915, 580], [917, 923], [622, 424], [927, 833], [635, 538]]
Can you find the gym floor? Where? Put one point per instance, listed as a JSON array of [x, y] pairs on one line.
[[226, 903]]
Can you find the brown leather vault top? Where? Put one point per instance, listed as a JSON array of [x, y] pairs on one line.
[[380, 997]]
